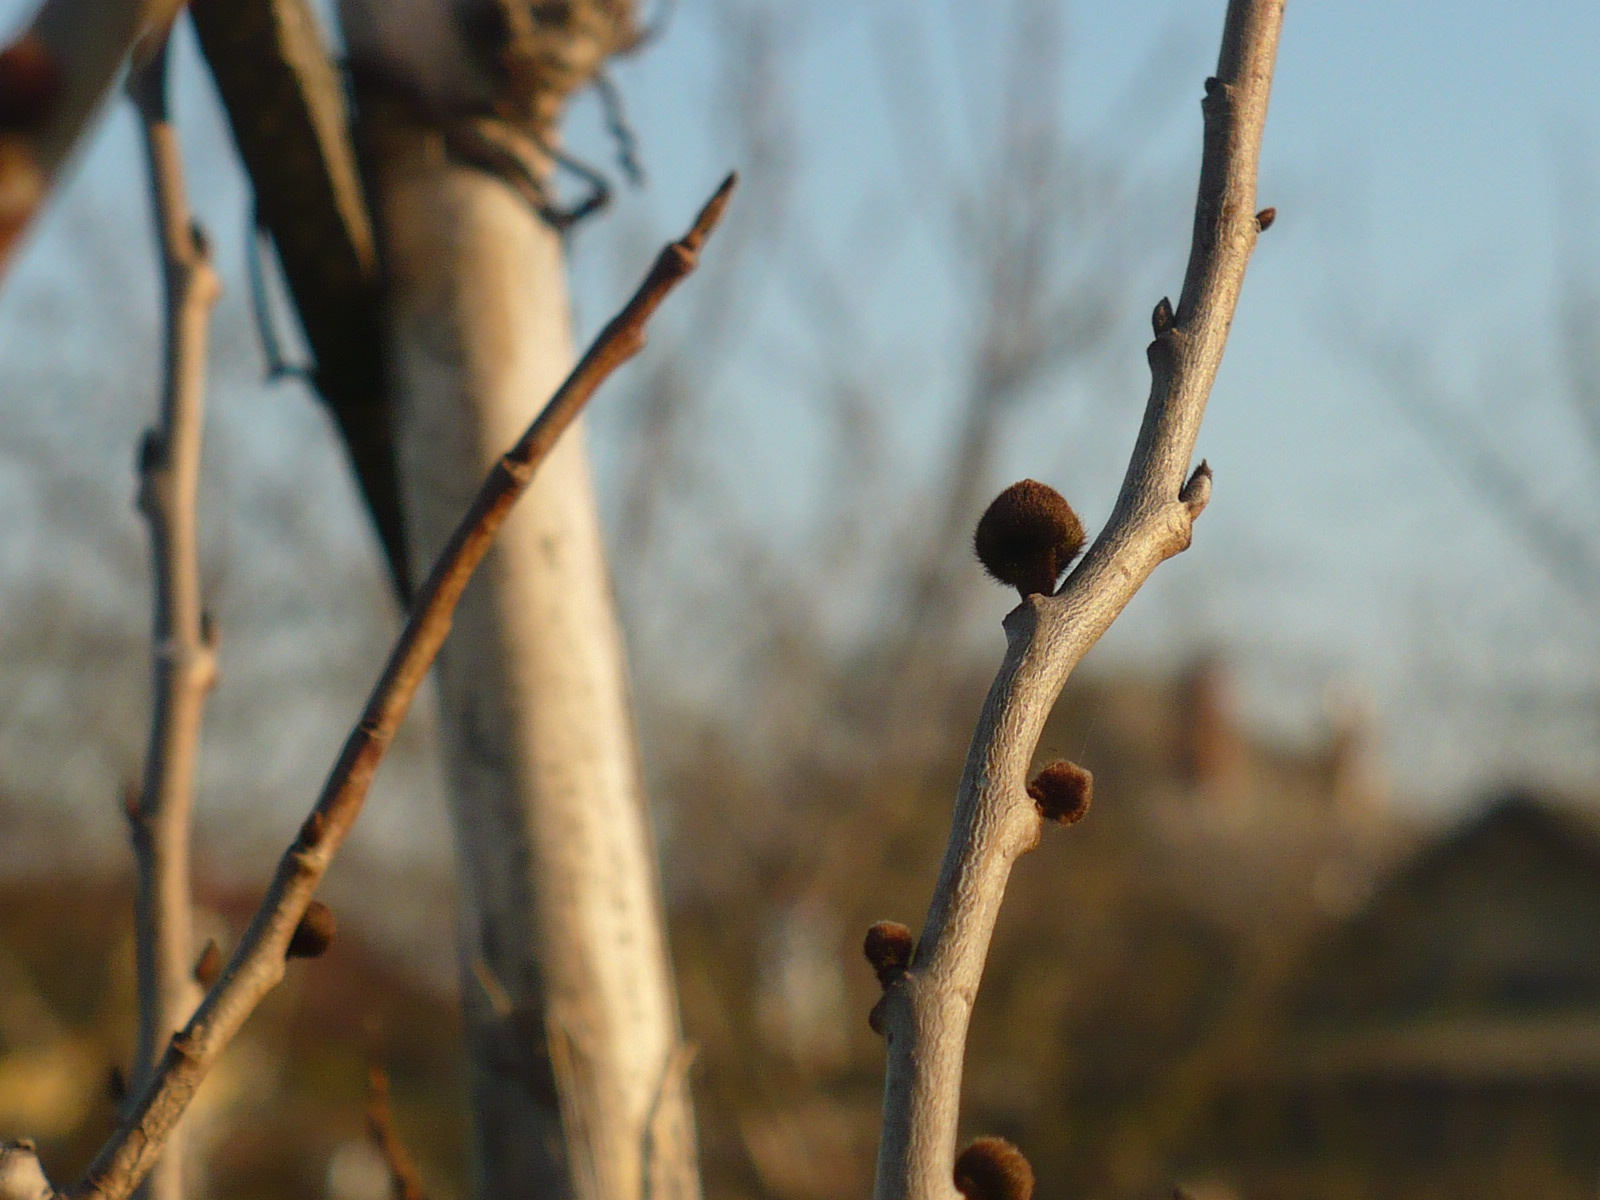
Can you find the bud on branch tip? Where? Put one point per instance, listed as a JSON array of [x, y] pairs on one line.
[[1027, 537]]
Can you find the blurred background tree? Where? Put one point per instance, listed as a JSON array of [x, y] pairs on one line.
[[933, 284]]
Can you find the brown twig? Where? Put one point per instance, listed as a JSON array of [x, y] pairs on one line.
[[925, 1013], [258, 962], [185, 659], [404, 1181]]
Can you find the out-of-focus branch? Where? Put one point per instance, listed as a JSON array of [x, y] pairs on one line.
[[185, 661], [404, 1182], [925, 1011], [52, 80], [258, 961], [286, 106]]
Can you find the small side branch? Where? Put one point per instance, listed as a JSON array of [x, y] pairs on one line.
[[926, 1009], [404, 1182], [258, 961], [185, 659]]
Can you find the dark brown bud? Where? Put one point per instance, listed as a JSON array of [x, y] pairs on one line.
[[314, 934], [1265, 218], [1161, 318], [888, 948], [1027, 537], [209, 965], [30, 83], [311, 829], [1062, 792], [993, 1169]]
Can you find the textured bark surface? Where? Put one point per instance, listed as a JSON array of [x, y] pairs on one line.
[[576, 1067]]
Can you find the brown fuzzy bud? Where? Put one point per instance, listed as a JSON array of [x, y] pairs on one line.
[[1161, 318], [888, 948], [30, 83], [314, 934], [1265, 218], [1062, 792], [209, 965], [1027, 537], [993, 1169]]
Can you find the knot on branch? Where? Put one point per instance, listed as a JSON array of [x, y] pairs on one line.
[[1027, 537], [1062, 792], [993, 1169], [314, 934]]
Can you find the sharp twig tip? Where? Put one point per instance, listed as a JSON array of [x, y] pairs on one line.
[[711, 214]]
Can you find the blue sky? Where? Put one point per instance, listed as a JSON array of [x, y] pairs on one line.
[[1417, 155]]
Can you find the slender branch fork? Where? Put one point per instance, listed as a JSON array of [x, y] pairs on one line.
[[258, 961], [925, 1012], [185, 658]]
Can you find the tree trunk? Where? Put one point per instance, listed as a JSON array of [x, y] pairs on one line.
[[577, 1066]]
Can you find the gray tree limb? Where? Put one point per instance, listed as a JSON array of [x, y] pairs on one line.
[[926, 1012]]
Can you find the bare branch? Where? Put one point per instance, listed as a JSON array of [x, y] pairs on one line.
[[404, 1182], [925, 1012], [258, 962], [57, 72], [185, 661]]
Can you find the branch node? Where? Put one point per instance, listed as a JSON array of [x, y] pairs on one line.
[[1196, 494], [1161, 318], [311, 829], [209, 965]]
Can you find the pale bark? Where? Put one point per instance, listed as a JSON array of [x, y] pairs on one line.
[[257, 963], [925, 1013], [576, 1065], [185, 660]]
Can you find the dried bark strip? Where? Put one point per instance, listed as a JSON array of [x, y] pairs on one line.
[[925, 1014]]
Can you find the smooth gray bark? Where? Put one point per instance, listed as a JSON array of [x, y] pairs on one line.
[[576, 1065]]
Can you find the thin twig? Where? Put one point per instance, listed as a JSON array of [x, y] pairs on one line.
[[258, 962], [185, 659], [925, 1012], [404, 1181]]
